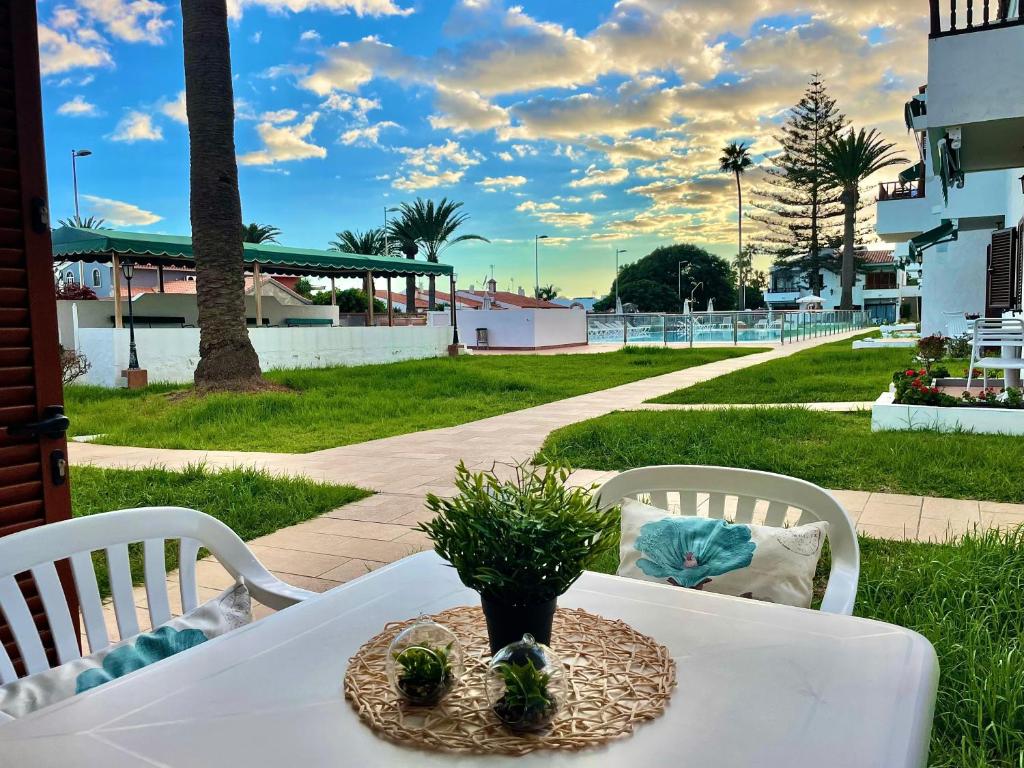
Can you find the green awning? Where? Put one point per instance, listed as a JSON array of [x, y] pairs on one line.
[[100, 245], [911, 174], [946, 232]]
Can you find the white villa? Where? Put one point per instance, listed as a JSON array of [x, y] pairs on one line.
[[957, 217]]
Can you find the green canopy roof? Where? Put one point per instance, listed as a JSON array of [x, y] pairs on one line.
[[72, 243], [946, 232]]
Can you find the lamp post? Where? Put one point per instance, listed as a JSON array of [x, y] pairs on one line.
[[75, 154], [536, 264], [128, 270], [387, 245], [679, 278], [617, 252]]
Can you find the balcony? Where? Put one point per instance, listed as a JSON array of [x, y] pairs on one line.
[[903, 210], [782, 297], [950, 17], [901, 190]]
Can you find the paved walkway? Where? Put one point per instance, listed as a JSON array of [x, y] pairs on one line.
[[343, 544]]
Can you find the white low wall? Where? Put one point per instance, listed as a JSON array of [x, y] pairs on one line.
[[521, 328], [171, 354], [886, 415]]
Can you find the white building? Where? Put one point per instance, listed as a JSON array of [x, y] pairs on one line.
[[957, 218], [880, 287]]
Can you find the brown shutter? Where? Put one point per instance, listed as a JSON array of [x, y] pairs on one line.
[[33, 487], [1003, 273]]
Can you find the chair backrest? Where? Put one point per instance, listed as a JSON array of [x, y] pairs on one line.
[[37, 551], [998, 331], [740, 495], [956, 324]]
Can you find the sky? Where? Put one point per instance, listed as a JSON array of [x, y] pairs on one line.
[[597, 123]]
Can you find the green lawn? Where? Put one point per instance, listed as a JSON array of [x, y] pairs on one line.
[[834, 450], [968, 600], [829, 373], [250, 502], [340, 406]]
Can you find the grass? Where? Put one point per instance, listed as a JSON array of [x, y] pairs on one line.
[[830, 373], [252, 503], [340, 406], [834, 450], [968, 600]]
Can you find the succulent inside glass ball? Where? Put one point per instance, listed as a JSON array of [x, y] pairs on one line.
[[526, 685], [424, 663]]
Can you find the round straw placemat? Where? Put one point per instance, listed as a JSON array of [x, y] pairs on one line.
[[616, 678]]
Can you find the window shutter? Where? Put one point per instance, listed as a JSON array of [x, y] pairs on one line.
[[1002, 284]]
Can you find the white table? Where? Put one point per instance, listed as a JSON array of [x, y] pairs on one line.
[[759, 685]]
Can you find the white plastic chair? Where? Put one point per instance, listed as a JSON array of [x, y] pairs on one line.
[[956, 324], [703, 491], [995, 332], [37, 549]]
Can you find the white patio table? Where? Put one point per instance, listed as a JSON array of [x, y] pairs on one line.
[[759, 685]]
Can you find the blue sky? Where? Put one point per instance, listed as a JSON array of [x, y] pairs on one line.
[[596, 123]]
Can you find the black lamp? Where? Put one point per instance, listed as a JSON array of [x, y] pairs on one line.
[[128, 270]]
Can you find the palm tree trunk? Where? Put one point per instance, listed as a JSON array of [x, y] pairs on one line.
[[227, 359], [410, 293], [432, 294], [849, 224], [739, 226]]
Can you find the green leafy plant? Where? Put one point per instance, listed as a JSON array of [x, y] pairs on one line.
[[527, 704], [931, 349], [426, 673], [520, 541], [958, 346]]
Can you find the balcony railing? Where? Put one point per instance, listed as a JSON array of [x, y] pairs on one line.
[[900, 190], [954, 17]]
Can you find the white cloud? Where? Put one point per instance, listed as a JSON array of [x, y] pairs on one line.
[[256, 37], [137, 126], [597, 177], [436, 165], [463, 111], [351, 65], [282, 143], [501, 182], [119, 213], [280, 116], [357, 106], [366, 135], [77, 107], [552, 213], [595, 196], [133, 21], [176, 109], [506, 156], [59, 53], [358, 7], [309, 35]]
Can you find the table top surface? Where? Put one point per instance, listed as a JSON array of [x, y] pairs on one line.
[[758, 684]]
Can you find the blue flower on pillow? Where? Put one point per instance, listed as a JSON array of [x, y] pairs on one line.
[[689, 551], [148, 647]]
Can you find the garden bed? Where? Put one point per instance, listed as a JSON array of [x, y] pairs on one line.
[[888, 415]]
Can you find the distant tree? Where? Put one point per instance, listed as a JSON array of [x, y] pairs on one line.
[[75, 292], [662, 266], [433, 227], [649, 296], [848, 161], [304, 287], [760, 280], [368, 243], [800, 209], [547, 292], [89, 222], [259, 233], [351, 300], [736, 160], [743, 264]]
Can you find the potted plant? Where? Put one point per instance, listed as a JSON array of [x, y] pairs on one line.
[[520, 543], [424, 674], [527, 703]]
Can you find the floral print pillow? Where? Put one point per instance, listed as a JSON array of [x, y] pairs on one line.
[[762, 562]]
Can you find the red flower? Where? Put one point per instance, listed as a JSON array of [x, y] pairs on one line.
[[909, 372]]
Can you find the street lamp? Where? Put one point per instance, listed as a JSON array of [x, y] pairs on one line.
[[617, 252], [75, 154], [387, 248], [128, 270], [679, 278], [536, 264]]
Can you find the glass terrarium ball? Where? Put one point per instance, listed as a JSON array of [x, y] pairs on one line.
[[424, 663], [526, 685]]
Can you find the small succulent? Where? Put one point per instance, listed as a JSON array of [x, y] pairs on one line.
[[527, 704], [425, 675]]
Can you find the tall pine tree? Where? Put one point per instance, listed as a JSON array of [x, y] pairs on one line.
[[800, 210]]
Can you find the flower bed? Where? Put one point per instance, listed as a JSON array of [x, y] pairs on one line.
[[888, 415], [917, 387]]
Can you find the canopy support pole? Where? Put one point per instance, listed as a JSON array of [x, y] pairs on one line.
[[116, 264], [160, 277], [334, 293], [455, 317], [257, 288], [369, 299], [391, 305]]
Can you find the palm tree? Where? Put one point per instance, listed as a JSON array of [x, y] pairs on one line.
[[735, 159], [368, 243], [227, 359], [259, 233], [402, 237], [89, 222], [434, 226], [848, 161]]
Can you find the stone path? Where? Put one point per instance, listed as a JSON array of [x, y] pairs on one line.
[[341, 545]]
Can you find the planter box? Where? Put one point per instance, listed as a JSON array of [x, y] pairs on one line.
[[890, 343], [887, 415]]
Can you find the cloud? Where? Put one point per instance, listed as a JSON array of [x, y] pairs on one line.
[[351, 65], [366, 135], [435, 165], [283, 143], [597, 177], [309, 35], [176, 109], [501, 182], [358, 7], [280, 116], [59, 53], [78, 107], [134, 21], [357, 106], [119, 213], [462, 111], [552, 213], [137, 126]]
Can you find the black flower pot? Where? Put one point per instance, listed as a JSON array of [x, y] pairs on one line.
[[507, 623]]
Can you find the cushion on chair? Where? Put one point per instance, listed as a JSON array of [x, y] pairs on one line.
[[776, 565], [229, 610]]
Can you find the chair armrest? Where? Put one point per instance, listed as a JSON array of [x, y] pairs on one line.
[[274, 593]]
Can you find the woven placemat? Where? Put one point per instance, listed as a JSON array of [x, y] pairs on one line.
[[616, 678]]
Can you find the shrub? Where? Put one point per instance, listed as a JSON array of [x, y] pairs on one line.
[[73, 365], [75, 292], [931, 349], [959, 346]]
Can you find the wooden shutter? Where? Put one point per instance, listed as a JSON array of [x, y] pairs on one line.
[[1003, 280], [33, 487]]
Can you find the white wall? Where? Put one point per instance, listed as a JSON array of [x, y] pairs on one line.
[[171, 354], [523, 328], [953, 279]]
